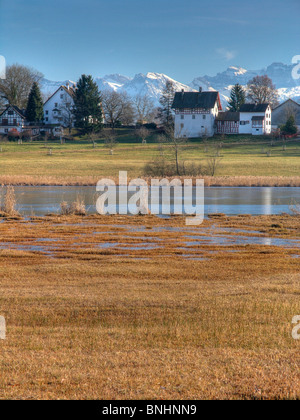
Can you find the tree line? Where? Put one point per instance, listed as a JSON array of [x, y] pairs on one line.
[[91, 109]]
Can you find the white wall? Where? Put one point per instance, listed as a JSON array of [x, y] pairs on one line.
[[248, 129], [195, 125], [58, 100]]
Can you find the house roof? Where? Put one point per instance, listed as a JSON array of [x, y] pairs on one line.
[[228, 116], [192, 100], [254, 108], [19, 111], [286, 102], [259, 118], [284, 110], [70, 91]]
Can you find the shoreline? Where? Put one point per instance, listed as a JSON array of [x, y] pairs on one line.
[[218, 181]]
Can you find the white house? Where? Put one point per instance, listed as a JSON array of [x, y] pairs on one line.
[[58, 108], [12, 119], [282, 112], [255, 119], [195, 113]]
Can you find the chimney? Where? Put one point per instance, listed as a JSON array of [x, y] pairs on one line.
[[68, 86], [182, 93], [200, 89]]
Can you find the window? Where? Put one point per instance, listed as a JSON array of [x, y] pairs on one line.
[[61, 96], [193, 117], [47, 112], [204, 117], [182, 117], [10, 112], [6, 130], [56, 105], [47, 119]]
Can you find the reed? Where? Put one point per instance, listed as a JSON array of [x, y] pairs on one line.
[[217, 181], [77, 208], [10, 202]]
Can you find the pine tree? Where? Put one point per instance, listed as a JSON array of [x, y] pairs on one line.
[[35, 110], [237, 98], [87, 105], [166, 101], [290, 126]]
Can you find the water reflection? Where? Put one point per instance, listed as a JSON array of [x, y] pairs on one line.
[[231, 201]]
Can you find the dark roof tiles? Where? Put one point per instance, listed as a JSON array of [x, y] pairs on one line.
[[192, 100]]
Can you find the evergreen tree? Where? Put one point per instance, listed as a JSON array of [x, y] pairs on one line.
[[35, 110], [166, 101], [87, 105], [290, 126], [237, 98]]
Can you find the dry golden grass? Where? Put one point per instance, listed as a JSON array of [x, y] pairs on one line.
[[86, 320], [222, 181]]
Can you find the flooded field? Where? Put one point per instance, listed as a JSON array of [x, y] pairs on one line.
[[116, 307]]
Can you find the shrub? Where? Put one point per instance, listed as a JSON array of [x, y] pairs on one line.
[[76, 208]]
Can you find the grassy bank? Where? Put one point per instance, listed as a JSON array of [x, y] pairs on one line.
[[78, 163], [90, 315]]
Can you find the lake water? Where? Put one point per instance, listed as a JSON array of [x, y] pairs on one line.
[[228, 200]]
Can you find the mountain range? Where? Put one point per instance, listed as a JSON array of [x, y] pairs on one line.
[[152, 84]]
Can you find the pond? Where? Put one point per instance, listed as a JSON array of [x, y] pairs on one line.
[[228, 200]]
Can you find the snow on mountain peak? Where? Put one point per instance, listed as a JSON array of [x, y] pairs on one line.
[[152, 84], [236, 70]]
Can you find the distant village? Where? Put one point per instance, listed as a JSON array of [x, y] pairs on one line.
[[195, 115]]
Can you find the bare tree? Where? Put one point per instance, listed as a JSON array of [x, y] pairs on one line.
[[262, 90], [143, 133], [16, 87], [176, 144], [110, 141], [92, 136], [66, 114], [116, 107], [144, 109], [214, 160]]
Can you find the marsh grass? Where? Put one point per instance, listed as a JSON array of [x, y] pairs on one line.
[[76, 208], [9, 202], [89, 322]]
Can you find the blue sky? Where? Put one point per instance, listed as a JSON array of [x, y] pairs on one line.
[[184, 39]]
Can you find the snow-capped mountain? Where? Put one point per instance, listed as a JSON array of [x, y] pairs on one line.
[[112, 82], [152, 84], [49, 87], [280, 73]]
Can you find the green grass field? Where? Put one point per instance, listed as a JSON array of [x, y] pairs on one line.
[[245, 157]]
